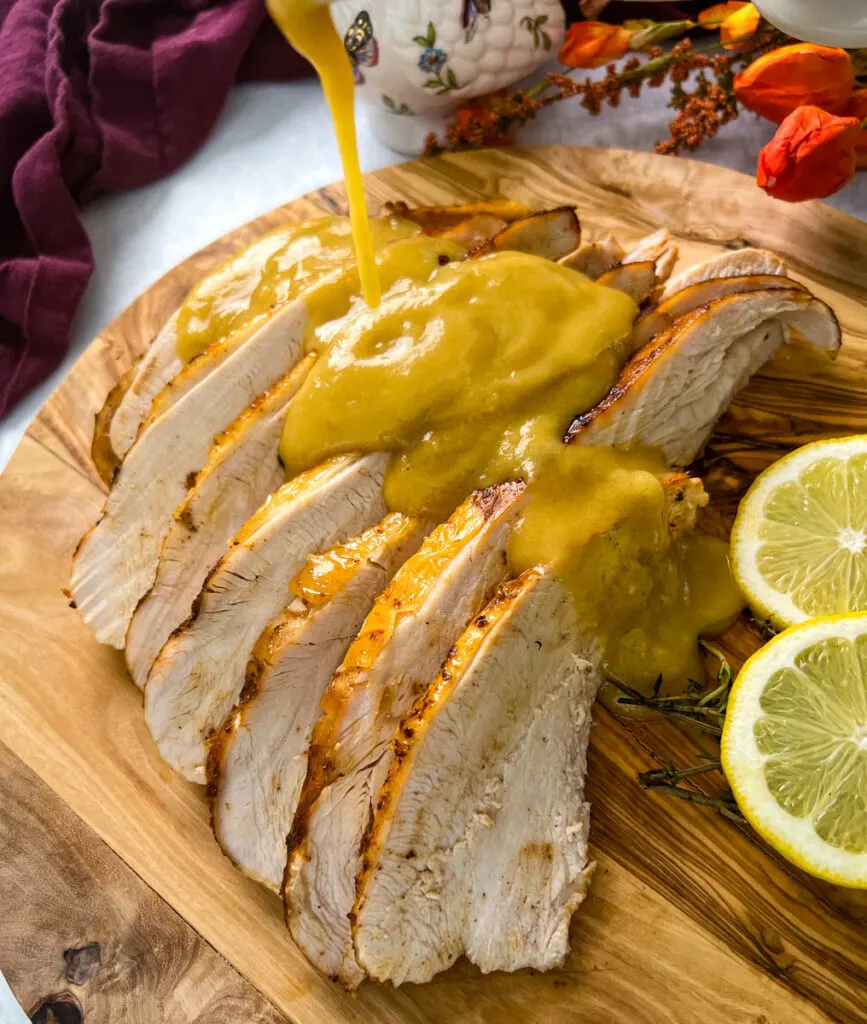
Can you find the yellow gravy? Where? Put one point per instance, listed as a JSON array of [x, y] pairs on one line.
[[249, 286], [468, 372], [309, 28]]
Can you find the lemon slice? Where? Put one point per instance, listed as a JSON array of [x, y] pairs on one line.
[[794, 746], [799, 543]]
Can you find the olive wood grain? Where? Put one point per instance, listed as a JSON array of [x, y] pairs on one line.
[[80, 929], [690, 918]]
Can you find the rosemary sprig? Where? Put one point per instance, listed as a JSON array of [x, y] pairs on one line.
[[667, 781], [700, 709]]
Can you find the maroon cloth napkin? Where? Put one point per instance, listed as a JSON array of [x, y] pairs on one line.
[[98, 95]]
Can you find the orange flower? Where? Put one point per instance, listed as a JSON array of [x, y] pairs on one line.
[[735, 21], [856, 106], [736, 30], [811, 156], [792, 76], [714, 16], [591, 44]]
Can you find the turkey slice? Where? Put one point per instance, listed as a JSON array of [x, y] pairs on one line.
[[101, 451], [732, 263], [673, 390], [161, 363], [594, 258], [243, 468], [637, 280], [478, 840], [115, 564], [400, 647], [258, 760], [155, 369], [478, 843], [199, 673], [660, 317], [659, 249]]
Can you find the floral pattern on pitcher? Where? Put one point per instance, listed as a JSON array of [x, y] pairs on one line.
[[433, 62], [430, 56]]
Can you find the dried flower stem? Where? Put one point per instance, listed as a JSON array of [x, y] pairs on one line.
[[699, 114]]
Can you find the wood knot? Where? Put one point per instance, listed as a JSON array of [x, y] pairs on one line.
[[62, 1008], [82, 963]]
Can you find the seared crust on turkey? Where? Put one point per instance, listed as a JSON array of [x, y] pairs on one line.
[[200, 672], [243, 468], [161, 363], [735, 263], [116, 562], [398, 650], [673, 390], [155, 369], [101, 451], [478, 843], [637, 280], [594, 258], [550, 234], [258, 759], [660, 317]]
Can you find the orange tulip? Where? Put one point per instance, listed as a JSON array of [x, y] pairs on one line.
[[736, 22], [736, 30], [714, 16], [811, 156], [591, 44], [794, 76]]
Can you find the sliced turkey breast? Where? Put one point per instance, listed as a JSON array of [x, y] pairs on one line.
[[258, 759], [115, 564], [594, 258], [436, 219], [660, 317], [400, 647], [154, 370], [195, 371], [243, 468], [673, 390], [732, 263], [550, 234], [474, 231], [637, 280], [657, 248], [101, 451], [161, 363], [199, 674], [478, 841]]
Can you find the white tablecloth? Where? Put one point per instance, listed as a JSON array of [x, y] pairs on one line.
[[273, 143]]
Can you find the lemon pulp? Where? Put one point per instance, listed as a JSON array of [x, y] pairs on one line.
[[800, 538], [812, 733], [794, 745], [812, 540]]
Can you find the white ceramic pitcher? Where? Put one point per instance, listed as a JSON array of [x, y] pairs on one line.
[[416, 61], [832, 22]]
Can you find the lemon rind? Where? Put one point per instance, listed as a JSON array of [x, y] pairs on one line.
[[743, 764], [767, 604]]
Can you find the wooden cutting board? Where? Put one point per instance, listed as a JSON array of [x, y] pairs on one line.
[[113, 893]]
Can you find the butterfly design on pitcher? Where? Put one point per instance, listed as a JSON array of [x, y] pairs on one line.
[[362, 48], [470, 14]]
